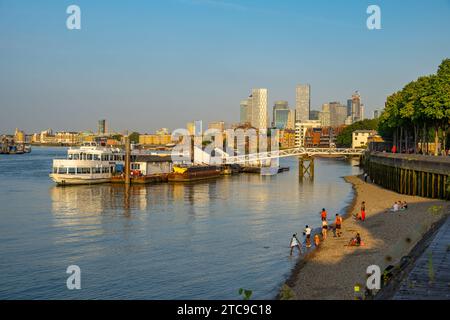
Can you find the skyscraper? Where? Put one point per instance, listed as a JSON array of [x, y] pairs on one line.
[[349, 107], [280, 114], [198, 127], [259, 113], [356, 107], [376, 114], [102, 127], [338, 114], [291, 120], [325, 115], [244, 112], [302, 102]]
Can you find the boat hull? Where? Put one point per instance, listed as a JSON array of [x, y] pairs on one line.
[[193, 174], [67, 180]]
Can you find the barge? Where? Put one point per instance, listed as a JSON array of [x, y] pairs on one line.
[[193, 173]]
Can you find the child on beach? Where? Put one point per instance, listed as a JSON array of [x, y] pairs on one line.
[[295, 244], [338, 223], [324, 229], [323, 214], [316, 240], [307, 233]]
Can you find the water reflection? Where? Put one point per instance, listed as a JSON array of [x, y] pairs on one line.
[[177, 241]]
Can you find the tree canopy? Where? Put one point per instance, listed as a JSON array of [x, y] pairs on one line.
[[421, 106], [344, 139]]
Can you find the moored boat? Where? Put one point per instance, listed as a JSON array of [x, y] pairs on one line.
[[88, 164], [193, 173]]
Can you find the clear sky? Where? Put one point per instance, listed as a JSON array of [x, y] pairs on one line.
[[148, 64]]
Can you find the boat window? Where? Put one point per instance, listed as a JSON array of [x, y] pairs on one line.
[[70, 156], [62, 170], [72, 170], [135, 166], [55, 170], [96, 170], [76, 156], [104, 157], [96, 157], [86, 170], [89, 156], [79, 171]]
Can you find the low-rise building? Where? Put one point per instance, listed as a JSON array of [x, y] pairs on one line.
[[324, 137], [155, 139], [68, 138], [218, 125], [19, 136], [300, 131], [287, 139], [151, 164], [360, 138]]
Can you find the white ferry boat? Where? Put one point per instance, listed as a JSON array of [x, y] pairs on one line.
[[88, 164]]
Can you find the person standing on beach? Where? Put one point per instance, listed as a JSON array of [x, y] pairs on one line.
[[338, 223], [324, 229], [323, 214], [307, 233], [363, 211], [365, 176], [295, 244]]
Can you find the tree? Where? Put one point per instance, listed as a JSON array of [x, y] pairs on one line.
[[344, 139], [421, 104], [134, 137]]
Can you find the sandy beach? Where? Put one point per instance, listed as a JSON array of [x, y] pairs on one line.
[[332, 270]]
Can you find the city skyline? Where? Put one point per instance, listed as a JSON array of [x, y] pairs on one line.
[[138, 69]]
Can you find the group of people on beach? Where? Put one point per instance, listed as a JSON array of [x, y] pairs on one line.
[[295, 243], [399, 206]]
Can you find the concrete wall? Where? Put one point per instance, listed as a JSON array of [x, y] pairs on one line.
[[420, 175]]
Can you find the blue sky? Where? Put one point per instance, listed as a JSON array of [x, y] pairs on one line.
[[148, 64]]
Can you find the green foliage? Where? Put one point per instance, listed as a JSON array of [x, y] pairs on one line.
[[435, 210], [344, 139], [246, 294], [424, 103], [134, 137], [117, 137], [286, 293]]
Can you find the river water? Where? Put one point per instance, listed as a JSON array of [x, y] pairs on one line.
[[165, 241]]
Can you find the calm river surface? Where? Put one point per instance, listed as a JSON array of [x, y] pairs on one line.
[[166, 241]]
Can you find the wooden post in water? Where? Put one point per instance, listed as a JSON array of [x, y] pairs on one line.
[[306, 167], [127, 160], [301, 172]]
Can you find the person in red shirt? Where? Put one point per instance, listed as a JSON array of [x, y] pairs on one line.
[[363, 215], [394, 149], [324, 214]]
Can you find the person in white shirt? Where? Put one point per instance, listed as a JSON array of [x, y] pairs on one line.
[[395, 207], [307, 233], [295, 243]]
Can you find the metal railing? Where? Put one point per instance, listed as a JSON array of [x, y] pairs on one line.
[[261, 156]]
